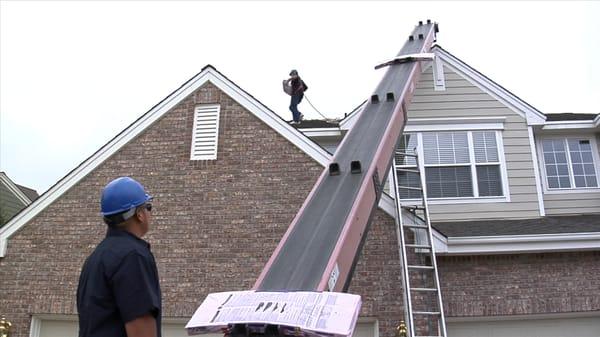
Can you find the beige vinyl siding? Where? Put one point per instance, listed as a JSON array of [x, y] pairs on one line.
[[557, 203], [463, 99], [571, 203], [10, 204]]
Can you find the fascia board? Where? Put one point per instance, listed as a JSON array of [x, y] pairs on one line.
[[208, 74], [321, 132], [511, 244], [514, 103], [562, 125]]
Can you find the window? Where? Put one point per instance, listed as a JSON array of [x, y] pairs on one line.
[[461, 164], [408, 144], [205, 134], [569, 163]]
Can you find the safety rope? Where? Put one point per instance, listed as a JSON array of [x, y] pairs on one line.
[[328, 120]]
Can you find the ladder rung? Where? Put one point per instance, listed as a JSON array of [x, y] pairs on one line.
[[407, 154], [408, 170], [420, 267], [432, 313], [416, 226], [413, 245], [411, 188], [424, 289], [413, 207]]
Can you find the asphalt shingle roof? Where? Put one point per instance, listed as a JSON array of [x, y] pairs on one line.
[[568, 116], [29, 192], [544, 225], [316, 124]]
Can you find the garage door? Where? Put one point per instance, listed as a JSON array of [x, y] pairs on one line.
[[67, 327], [561, 327], [57, 327]]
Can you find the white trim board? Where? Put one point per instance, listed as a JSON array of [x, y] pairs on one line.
[[581, 314], [567, 125], [5, 180], [512, 244], [208, 74], [536, 169], [321, 132]]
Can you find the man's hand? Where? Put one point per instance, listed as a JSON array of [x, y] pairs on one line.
[[144, 326]]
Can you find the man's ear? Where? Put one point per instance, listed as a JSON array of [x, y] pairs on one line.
[[138, 214]]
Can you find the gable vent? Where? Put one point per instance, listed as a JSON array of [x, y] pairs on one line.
[[206, 132]]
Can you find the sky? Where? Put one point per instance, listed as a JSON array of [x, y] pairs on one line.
[[75, 74]]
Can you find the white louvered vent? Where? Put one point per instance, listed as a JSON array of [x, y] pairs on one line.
[[205, 135]]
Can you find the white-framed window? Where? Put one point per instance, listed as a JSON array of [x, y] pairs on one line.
[[456, 164], [205, 134], [570, 163]]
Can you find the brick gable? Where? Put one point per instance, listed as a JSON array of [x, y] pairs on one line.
[[215, 222]]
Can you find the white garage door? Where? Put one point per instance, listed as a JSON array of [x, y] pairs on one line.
[[67, 327], [561, 327]]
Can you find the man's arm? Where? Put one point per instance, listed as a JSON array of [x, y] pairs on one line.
[[144, 326]]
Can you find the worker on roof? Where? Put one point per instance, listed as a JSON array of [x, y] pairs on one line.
[[119, 292], [295, 87]]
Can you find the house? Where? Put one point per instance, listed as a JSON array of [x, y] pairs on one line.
[[13, 198], [518, 242]]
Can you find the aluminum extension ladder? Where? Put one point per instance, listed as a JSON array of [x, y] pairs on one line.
[[423, 309]]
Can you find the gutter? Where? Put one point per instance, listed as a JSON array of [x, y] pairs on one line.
[[514, 244]]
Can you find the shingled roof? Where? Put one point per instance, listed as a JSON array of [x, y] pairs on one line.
[[545, 225], [569, 116], [316, 124], [29, 192]]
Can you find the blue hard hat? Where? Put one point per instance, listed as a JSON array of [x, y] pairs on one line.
[[121, 195]]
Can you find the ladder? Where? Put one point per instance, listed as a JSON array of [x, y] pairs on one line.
[[424, 313]]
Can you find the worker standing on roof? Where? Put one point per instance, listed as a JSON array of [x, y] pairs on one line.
[[295, 87], [119, 293]]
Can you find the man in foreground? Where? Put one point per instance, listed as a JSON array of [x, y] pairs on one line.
[[119, 292]]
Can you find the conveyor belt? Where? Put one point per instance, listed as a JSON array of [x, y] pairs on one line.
[[328, 232]]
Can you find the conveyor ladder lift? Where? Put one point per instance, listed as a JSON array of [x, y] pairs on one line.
[[424, 314], [320, 250]]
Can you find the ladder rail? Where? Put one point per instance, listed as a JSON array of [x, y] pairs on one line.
[[408, 317], [442, 323], [420, 223]]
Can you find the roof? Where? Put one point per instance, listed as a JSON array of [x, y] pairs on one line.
[[545, 225], [29, 192], [316, 124], [207, 74], [568, 116]]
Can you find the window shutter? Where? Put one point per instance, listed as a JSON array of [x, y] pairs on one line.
[[205, 134]]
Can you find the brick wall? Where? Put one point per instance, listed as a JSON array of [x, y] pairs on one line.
[[215, 222], [520, 284]]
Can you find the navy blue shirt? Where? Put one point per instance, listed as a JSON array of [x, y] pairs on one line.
[[118, 283]]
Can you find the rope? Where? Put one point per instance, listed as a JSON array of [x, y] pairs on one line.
[[329, 120]]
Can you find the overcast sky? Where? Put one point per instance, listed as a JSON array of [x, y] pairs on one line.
[[75, 74]]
